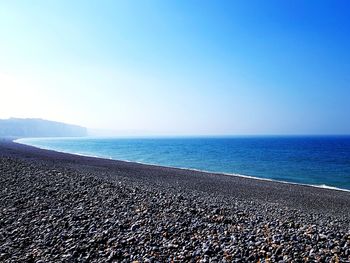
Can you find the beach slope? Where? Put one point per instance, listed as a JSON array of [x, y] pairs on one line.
[[58, 207]]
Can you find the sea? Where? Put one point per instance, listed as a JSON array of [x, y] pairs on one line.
[[320, 161]]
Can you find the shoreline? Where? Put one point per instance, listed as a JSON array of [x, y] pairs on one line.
[[322, 186], [60, 207], [297, 196]]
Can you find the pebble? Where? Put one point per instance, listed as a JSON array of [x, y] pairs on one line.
[[57, 214]]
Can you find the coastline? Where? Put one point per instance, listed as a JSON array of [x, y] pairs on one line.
[[60, 207], [322, 186], [298, 196]]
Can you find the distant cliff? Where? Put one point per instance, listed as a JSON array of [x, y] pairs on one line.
[[15, 127]]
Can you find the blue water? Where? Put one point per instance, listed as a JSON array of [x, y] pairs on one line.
[[322, 161]]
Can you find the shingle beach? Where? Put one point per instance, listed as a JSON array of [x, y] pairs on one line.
[[58, 207]]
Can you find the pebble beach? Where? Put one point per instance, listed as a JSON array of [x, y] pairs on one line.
[[58, 207]]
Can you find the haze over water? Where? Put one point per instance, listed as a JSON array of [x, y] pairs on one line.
[[178, 67], [315, 160]]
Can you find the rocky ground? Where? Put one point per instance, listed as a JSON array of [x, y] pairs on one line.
[[51, 212]]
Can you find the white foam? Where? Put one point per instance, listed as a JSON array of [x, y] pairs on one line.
[[20, 141]]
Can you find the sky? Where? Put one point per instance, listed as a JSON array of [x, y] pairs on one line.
[[178, 67]]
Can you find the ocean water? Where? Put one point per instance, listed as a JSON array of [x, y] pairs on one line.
[[318, 161]]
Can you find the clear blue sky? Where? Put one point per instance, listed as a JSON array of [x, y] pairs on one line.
[[179, 67]]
